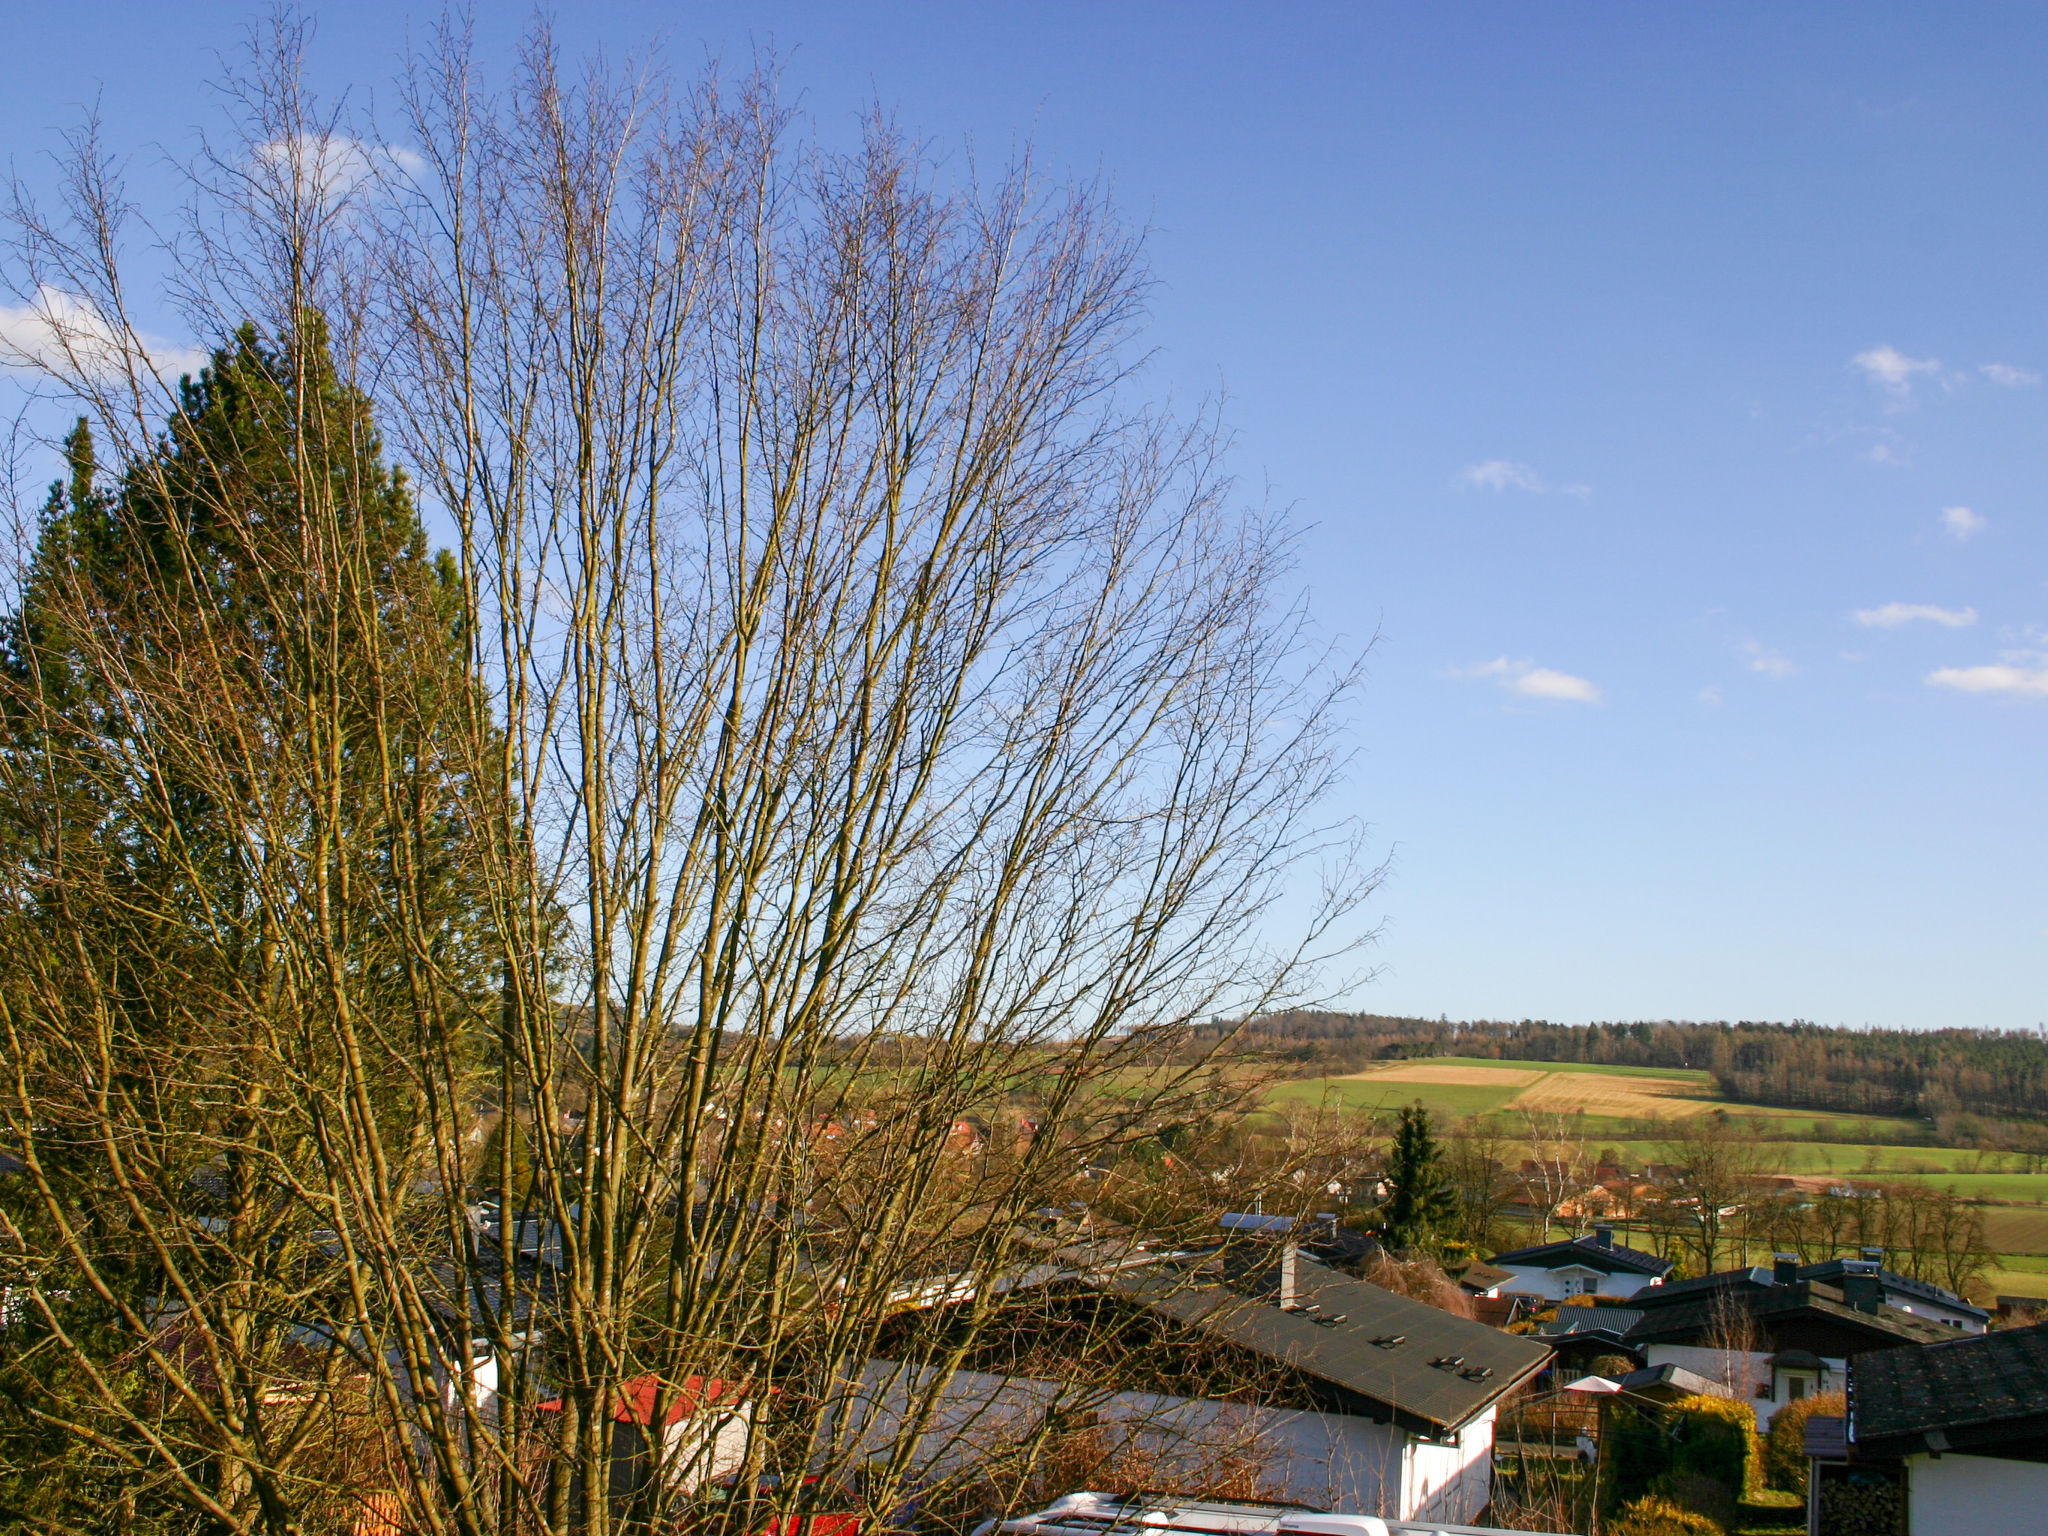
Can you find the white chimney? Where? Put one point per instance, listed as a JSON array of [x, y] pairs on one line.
[[1290, 1276]]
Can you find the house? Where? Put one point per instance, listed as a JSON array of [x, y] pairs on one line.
[[1499, 1311], [1771, 1335], [1579, 1336], [2022, 1309], [1952, 1436], [1593, 1265], [1482, 1279], [1917, 1298], [1363, 1401], [1322, 1237], [704, 1425]]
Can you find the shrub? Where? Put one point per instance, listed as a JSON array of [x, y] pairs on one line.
[[1657, 1516], [1716, 1437], [1420, 1279], [1785, 1449], [1635, 1453]]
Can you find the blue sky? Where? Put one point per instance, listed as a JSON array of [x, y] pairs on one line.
[[1663, 386]]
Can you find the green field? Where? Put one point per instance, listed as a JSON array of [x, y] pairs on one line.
[[1668, 1074], [1371, 1092]]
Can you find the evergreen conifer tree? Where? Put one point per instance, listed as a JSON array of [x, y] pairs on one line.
[[1423, 1207]]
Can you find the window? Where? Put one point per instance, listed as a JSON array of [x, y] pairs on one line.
[[1795, 1389], [1763, 1389], [1590, 1285]]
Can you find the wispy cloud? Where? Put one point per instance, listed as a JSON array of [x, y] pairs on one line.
[[2018, 674], [2006, 376], [66, 335], [1891, 370], [1527, 680], [1508, 475], [1761, 658], [1961, 523], [1501, 475], [1711, 696], [1892, 615]]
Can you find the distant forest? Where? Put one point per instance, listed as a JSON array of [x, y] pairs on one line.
[[1933, 1074]]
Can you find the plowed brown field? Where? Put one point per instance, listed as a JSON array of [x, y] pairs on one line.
[[1641, 1097], [1463, 1077]]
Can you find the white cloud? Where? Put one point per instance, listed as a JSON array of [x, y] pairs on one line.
[[1529, 681], [1892, 615], [1763, 659], [2007, 375], [1885, 453], [1501, 475], [63, 334], [330, 166], [1891, 369], [1711, 695], [2023, 674], [1962, 523]]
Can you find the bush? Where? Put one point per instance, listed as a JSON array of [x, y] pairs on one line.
[[1657, 1516], [1785, 1449], [1635, 1453], [1716, 1437]]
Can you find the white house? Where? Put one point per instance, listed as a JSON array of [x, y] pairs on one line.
[[1388, 1408], [1593, 1265]]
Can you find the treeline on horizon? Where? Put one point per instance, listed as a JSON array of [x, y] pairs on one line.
[[1932, 1074]]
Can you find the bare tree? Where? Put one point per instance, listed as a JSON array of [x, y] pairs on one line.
[[870, 734], [1555, 1164], [1718, 1176]]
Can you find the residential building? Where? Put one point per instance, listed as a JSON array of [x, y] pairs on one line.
[[1953, 1436], [1366, 1402], [1592, 1265], [1773, 1335], [704, 1426], [1918, 1298]]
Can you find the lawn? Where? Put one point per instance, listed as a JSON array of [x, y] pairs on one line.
[[1447, 1101]]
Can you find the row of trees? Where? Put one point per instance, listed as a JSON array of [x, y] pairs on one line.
[[841, 709], [1929, 1074], [1711, 1199]]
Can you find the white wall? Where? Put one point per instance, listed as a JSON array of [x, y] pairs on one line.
[[1560, 1283], [1451, 1483], [705, 1445], [1743, 1373], [1974, 1496], [1331, 1461]]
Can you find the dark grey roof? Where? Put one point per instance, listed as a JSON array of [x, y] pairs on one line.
[[1614, 1320], [1989, 1388], [1609, 1258], [1425, 1364], [1833, 1270], [1686, 1310]]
